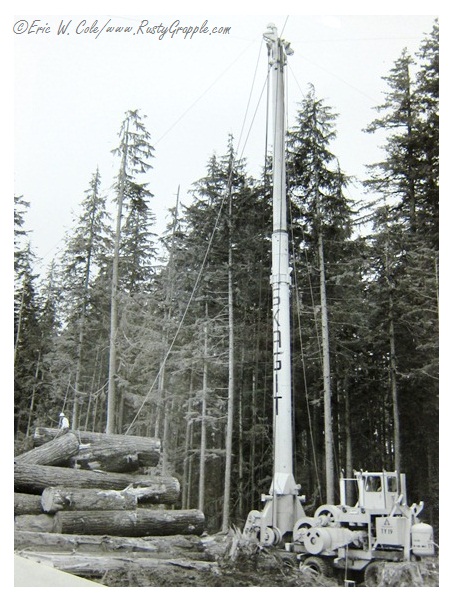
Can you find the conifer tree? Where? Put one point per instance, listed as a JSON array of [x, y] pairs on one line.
[[83, 259], [135, 152], [321, 226], [27, 333], [405, 255]]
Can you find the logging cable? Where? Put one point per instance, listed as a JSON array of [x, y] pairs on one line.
[[302, 354], [182, 320], [200, 272], [203, 94], [298, 313]]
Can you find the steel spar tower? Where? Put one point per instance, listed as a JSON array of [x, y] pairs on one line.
[[282, 505]]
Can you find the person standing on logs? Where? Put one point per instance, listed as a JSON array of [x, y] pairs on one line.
[[64, 423]]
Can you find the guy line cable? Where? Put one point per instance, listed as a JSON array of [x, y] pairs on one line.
[[198, 278]]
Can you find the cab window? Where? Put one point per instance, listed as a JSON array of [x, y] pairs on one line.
[[392, 484], [373, 483]]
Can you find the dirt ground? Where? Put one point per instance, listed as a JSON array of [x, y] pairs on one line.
[[271, 573], [248, 566]]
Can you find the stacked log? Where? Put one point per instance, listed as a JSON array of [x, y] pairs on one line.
[[34, 479], [54, 499], [169, 546], [43, 523], [60, 489], [26, 503], [131, 524], [54, 452], [115, 453]]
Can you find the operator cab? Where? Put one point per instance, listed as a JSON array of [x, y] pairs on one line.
[[376, 491]]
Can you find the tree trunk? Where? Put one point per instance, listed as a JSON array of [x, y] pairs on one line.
[[111, 399], [348, 443], [32, 400], [252, 456], [104, 447], [231, 385], [54, 499], [168, 412], [53, 453], [186, 483], [34, 479], [131, 524], [394, 391], [202, 449], [44, 523], [328, 420], [26, 503]]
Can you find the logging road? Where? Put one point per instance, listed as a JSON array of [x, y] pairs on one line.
[[28, 573]]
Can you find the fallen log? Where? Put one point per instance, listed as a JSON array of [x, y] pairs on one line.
[[131, 524], [29, 478], [34, 522], [53, 453], [104, 457], [168, 546], [26, 503], [97, 566], [54, 499], [103, 446]]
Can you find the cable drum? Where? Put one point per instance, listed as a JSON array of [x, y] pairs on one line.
[[302, 526], [317, 540], [328, 514]]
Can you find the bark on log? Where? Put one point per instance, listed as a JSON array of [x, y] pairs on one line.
[[147, 448], [54, 453], [97, 566], [30, 478], [54, 499], [26, 503], [35, 522], [168, 546], [111, 459], [131, 524]]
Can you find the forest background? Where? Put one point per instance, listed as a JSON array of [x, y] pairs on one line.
[[169, 335]]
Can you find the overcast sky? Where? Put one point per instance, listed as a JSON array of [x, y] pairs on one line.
[[71, 93]]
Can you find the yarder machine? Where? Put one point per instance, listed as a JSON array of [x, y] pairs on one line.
[[357, 534]]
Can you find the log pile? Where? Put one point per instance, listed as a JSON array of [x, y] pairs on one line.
[[65, 497]]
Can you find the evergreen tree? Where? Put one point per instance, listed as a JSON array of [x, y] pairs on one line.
[[27, 333], [135, 151], [405, 256], [321, 226], [216, 245], [84, 258]]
